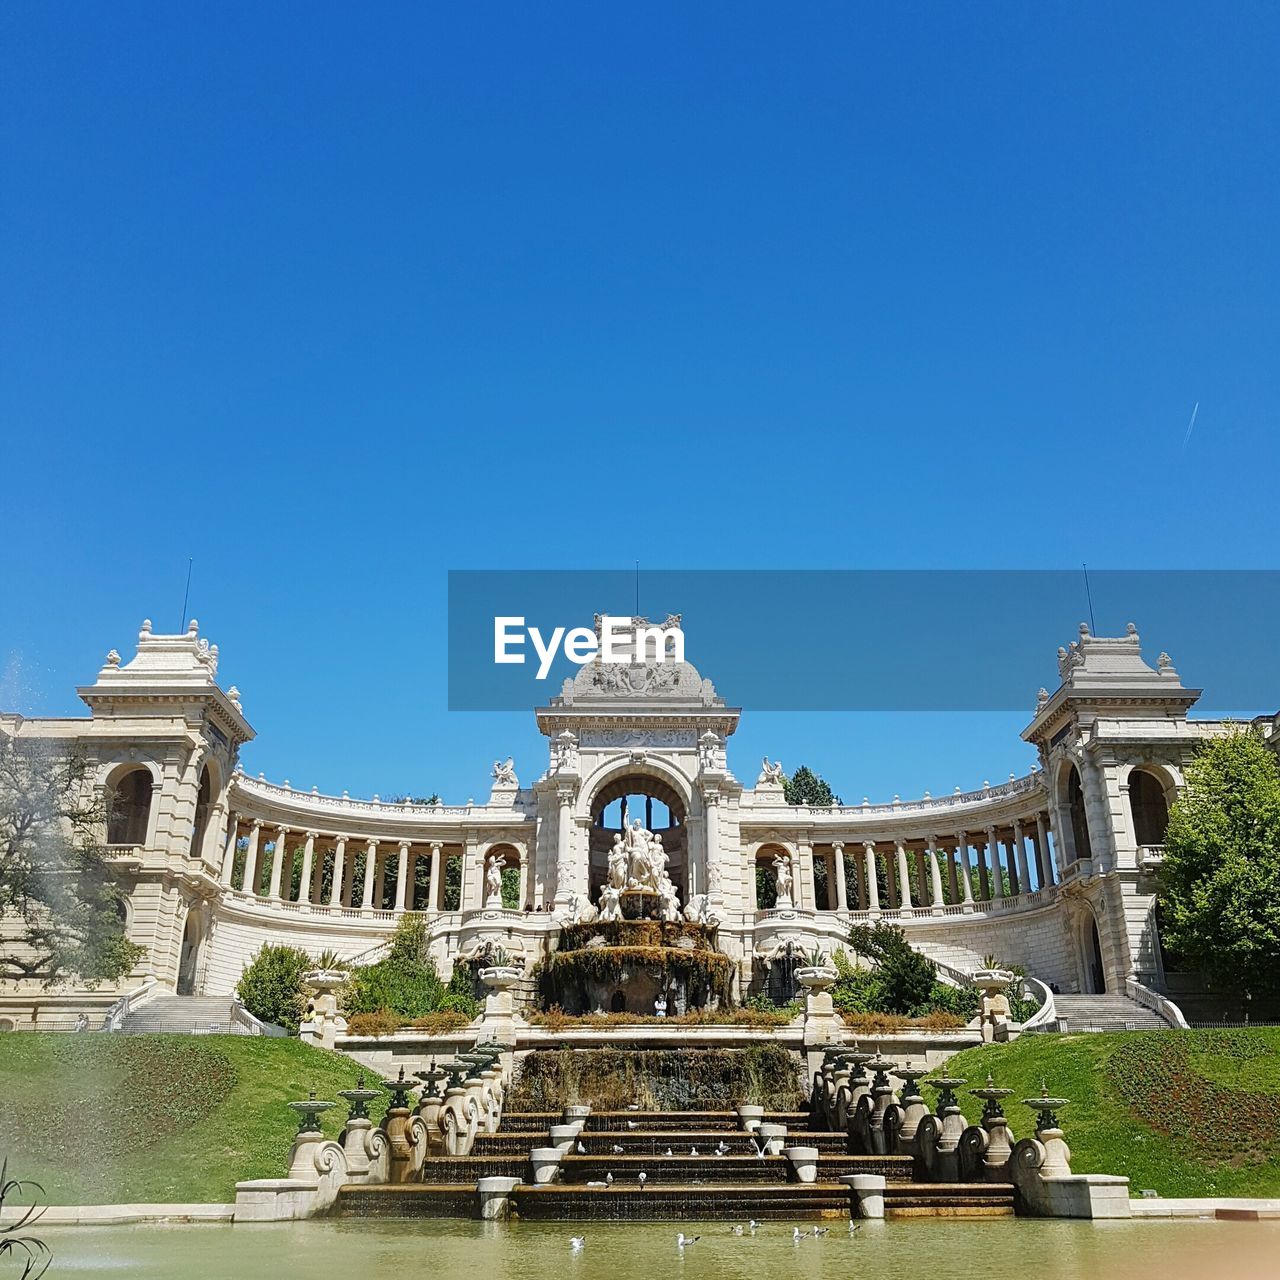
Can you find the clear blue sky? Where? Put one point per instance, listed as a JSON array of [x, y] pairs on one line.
[[334, 300]]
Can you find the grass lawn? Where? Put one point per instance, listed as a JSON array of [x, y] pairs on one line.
[[1185, 1113], [113, 1118]]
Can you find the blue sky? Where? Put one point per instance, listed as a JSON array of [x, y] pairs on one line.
[[335, 301]]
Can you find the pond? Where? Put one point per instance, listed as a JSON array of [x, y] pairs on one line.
[[1006, 1250]]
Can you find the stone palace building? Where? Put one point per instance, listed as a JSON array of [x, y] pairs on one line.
[[1052, 871]]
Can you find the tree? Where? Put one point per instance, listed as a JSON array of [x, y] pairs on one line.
[[271, 985], [57, 883], [906, 978], [806, 787], [1221, 874]]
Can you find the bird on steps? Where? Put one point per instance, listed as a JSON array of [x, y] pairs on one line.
[[642, 1178], [582, 1151], [616, 1149]]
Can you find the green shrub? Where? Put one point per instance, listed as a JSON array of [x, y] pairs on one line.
[[405, 983], [271, 985]]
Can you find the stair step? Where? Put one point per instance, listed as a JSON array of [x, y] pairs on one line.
[[682, 1202], [411, 1200]]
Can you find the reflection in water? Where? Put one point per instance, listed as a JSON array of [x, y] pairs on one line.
[[1005, 1250]]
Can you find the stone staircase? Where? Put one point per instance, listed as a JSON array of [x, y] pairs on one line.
[[1106, 1013], [698, 1166], [184, 1015]]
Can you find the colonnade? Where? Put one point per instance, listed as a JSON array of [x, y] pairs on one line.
[[272, 852], [967, 869]]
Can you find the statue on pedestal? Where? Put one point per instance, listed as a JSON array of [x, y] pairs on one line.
[[492, 881], [610, 904], [782, 880], [618, 863]]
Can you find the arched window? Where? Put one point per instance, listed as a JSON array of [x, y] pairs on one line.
[[1149, 807], [202, 813], [1079, 822], [129, 815]]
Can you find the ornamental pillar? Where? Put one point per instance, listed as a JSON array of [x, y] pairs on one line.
[[304, 880], [997, 874], [250, 882], [711, 797], [433, 893], [904, 879], [806, 893], [229, 853], [564, 847], [1020, 857], [380, 882], [339, 871], [966, 880], [370, 862], [1042, 862], [277, 864], [402, 876], [837, 869], [935, 876], [873, 881]]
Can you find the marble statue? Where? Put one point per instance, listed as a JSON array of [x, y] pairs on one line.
[[770, 773], [610, 904], [618, 863], [492, 881], [782, 880], [668, 901], [504, 775], [640, 873]]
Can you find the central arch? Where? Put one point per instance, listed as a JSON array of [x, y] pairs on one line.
[[658, 798]]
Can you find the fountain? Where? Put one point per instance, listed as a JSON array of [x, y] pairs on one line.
[[398, 1129], [356, 1138], [309, 1113], [998, 1142]]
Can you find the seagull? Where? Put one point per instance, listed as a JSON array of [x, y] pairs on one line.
[[820, 1231], [608, 1179], [854, 1226], [633, 1124], [758, 1149], [616, 1149], [642, 1178], [682, 1239], [667, 1152], [582, 1151], [737, 1231], [576, 1243], [752, 1225], [693, 1151], [722, 1149], [797, 1235], [597, 1184]]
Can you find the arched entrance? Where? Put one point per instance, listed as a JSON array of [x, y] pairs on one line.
[[192, 936], [129, 807], [1149, 807], [1079, 819], [655, 803], [1093, 971]]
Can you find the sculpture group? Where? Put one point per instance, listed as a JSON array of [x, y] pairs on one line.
[[638, 864]]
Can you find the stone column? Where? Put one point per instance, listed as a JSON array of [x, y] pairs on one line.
[[433, 893], [339, 871], [711, 801], [1042, 861], [277, 863], [370, 866], [304, 880], [984, 876], [380, 882], [860, 867], [837, 869], [953, 874], [904, 880], [524, 879], [250, 882], [317, 879], [997, 872], [935, 876], [229, 853], [564, 847], [966, 879], [1020, 857], [873, 883], [402, 875], [806, 890]]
